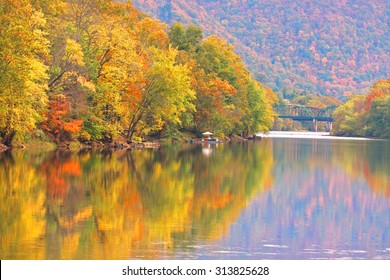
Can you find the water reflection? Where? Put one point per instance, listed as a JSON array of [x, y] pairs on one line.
[[330, 200], [125, 204], [283, 199]]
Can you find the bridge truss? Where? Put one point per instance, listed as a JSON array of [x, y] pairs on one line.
[[304, 113]]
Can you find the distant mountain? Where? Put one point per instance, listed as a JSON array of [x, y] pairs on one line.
[[328, 47]]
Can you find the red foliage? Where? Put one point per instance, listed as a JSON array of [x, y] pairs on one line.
[[375, 93], [58, 121]]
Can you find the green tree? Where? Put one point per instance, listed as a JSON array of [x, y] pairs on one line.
[[194, 36], [177, 36], [349, 118], [379, 117], [259, 114], [187, 39]]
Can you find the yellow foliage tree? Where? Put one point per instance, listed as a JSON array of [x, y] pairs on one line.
[[23, 45]]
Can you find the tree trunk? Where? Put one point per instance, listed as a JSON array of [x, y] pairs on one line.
[[8, 137]]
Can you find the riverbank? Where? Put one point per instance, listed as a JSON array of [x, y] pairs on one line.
[[307, 135], [121, 143], [48, 145]]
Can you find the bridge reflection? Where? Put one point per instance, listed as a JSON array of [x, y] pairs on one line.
[[304, 113]]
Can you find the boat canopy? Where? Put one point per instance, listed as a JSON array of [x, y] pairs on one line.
[[207, 133]]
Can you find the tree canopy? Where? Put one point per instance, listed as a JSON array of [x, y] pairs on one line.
[[366, 115], [98, 69]]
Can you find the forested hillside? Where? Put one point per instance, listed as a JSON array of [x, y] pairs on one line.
[[324, 47]]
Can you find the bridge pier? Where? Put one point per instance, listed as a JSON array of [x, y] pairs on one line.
[[315, 127]]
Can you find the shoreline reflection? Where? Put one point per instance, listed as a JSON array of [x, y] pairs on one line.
[[271, 199]]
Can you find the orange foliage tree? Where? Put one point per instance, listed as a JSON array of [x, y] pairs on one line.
[[58, 122]]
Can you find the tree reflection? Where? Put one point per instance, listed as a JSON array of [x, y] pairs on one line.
[[329, 200], [125, 204], [22, 211], [155, 204], [369, 162], [226, 182], [361, 160]]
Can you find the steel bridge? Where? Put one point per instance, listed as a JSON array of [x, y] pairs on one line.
[[304, 113]]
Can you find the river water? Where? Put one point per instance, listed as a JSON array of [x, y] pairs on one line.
[[278, 198]]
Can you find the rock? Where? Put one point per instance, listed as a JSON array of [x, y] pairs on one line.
[[96, 145], [3, 148]]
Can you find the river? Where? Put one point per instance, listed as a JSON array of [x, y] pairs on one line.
[[278, 198]]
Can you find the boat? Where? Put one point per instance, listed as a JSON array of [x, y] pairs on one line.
[[211, 141]]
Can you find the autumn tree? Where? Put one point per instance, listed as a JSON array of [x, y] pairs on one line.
[[98, 69], [58, 122], [23, 47], [365, 115], [249, 109], [259, 115], [118, 65], [151, 32], [210, 106], [164, 95], [349, 118], [378, 106]]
